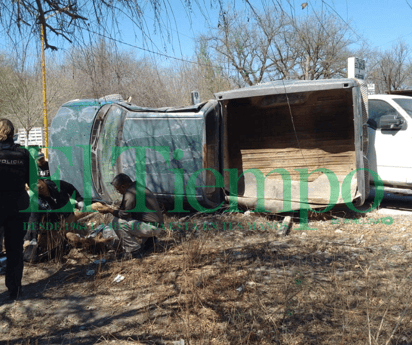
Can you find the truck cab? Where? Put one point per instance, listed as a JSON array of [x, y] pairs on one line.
[[390, 135]]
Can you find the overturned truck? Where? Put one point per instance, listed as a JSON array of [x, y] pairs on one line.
[[273, 147]]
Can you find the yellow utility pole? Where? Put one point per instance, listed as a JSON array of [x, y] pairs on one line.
[[43, 66]]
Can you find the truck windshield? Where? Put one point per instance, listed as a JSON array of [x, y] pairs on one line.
[[406, 104]]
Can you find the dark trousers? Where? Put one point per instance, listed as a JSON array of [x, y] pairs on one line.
[[14, 230]]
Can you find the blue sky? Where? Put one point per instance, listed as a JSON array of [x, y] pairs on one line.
[[378, 21], [381, 23]]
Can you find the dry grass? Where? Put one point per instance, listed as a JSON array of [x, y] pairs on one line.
[[239, 286]]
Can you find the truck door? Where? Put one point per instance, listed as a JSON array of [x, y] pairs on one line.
[[388, 147]]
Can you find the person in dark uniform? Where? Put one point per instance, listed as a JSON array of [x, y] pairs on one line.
[[14, 174], [43, 166]]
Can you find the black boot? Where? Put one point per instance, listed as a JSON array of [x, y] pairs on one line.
[[15, 293]]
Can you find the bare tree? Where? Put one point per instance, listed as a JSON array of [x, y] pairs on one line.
[[210, 76], [100, 69], [246, 42], [206, 78], [273, 45], [67, 18], [391, 69], [322, 46], [20, 87]]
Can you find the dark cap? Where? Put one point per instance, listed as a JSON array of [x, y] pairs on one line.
[[41, 155]]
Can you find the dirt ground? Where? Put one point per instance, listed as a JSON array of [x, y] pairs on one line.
[[231, 279]]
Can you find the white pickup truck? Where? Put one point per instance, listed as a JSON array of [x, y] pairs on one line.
[[390, 135]]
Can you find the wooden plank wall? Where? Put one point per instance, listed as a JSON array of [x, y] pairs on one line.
[[261, 134]]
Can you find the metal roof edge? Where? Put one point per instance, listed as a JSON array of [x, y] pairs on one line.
[[77, 103], [286, 86]]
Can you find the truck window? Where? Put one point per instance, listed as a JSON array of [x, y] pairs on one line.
[[378, 108], [406, 104]]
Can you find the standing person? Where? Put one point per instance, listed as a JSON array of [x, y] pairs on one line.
[[14, 174], [145, 225], [43, 166]]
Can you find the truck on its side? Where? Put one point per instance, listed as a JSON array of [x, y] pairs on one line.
[[241, 136]]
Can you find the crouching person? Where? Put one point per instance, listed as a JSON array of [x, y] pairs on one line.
[[129, 225], [50, 198]]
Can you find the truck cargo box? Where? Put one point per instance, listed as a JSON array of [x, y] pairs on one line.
[[295, 125]]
